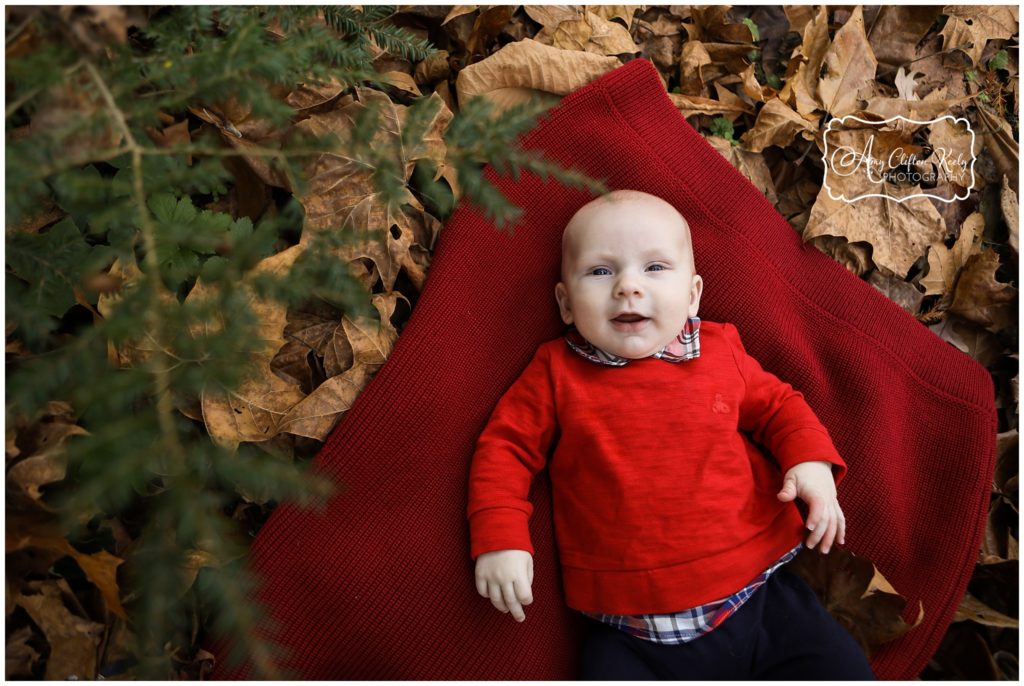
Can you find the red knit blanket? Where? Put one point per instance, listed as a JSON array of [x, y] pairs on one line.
[[380, 585]]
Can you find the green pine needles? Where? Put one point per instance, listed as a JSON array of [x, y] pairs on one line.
[[157, 197]]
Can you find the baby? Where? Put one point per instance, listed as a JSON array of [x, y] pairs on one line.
[[668, 515]]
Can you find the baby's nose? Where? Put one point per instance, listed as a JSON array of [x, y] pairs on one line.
[[628, 284]]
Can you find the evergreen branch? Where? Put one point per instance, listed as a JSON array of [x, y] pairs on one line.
[[27, 97], [161, 374]]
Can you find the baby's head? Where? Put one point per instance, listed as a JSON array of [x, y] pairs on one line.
[[628, 277]]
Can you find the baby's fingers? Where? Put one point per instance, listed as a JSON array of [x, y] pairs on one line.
[[830, 534], [508, 593], [494, 593], [815, 515], [842, 525]]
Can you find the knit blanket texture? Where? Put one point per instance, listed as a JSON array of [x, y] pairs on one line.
[[379, 585]]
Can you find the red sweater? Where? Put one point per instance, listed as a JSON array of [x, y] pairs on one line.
[[661, 500], [380, 585]]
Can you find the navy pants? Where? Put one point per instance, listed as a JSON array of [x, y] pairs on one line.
[[781, 632]]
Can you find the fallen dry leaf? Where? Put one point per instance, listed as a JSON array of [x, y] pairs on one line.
[[553, 15], [624, 13], [26, 531], [856, 257], [589, 33], [999, 143], [847, 67], [691, 105], [970, 339], [801, 88], [798, 16], [955, 149], [371, 341], [896, 31], [692, 59], [905, 84], [307, 332], [309, 98], [897, 290], [754, 90], [856, 594], [435, 68], [254, 411], [72, 101], [980, 297], [73, 640], [1007, 467], [899, 232], [931, 106], [21, 658], [1011, 214], [944, 264], [711, 24], [401, 81], [777, 124], [976, 611], [527, 69], [486, 28], [341, 193], [458, 11], [970, 27]]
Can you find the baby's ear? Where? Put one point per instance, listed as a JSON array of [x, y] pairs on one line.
[[696, 289], [562, 297]]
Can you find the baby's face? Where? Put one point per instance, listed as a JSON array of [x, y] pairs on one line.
[[628, 282]]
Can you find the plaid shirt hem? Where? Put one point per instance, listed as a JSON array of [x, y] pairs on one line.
[[686, 625]]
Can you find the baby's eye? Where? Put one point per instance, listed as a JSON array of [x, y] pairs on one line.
[[656, 268], [601, 271]]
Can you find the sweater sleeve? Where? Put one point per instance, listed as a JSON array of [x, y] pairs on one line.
[[778, 417], [511, 450]]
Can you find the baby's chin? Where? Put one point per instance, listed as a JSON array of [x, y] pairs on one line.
[[635, 350]]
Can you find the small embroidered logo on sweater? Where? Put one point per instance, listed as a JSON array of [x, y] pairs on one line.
[[720, 406]]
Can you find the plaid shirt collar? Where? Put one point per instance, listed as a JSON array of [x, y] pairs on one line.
[[685, 346]]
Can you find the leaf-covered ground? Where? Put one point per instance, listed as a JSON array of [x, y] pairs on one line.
[[762, 84]]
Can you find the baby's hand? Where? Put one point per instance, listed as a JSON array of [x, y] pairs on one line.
[[812, 482], [505, 576]]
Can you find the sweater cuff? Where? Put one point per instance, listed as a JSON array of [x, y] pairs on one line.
[[499, 528], [809, 445]]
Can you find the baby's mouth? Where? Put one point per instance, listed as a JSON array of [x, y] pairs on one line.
[[629, 322]]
